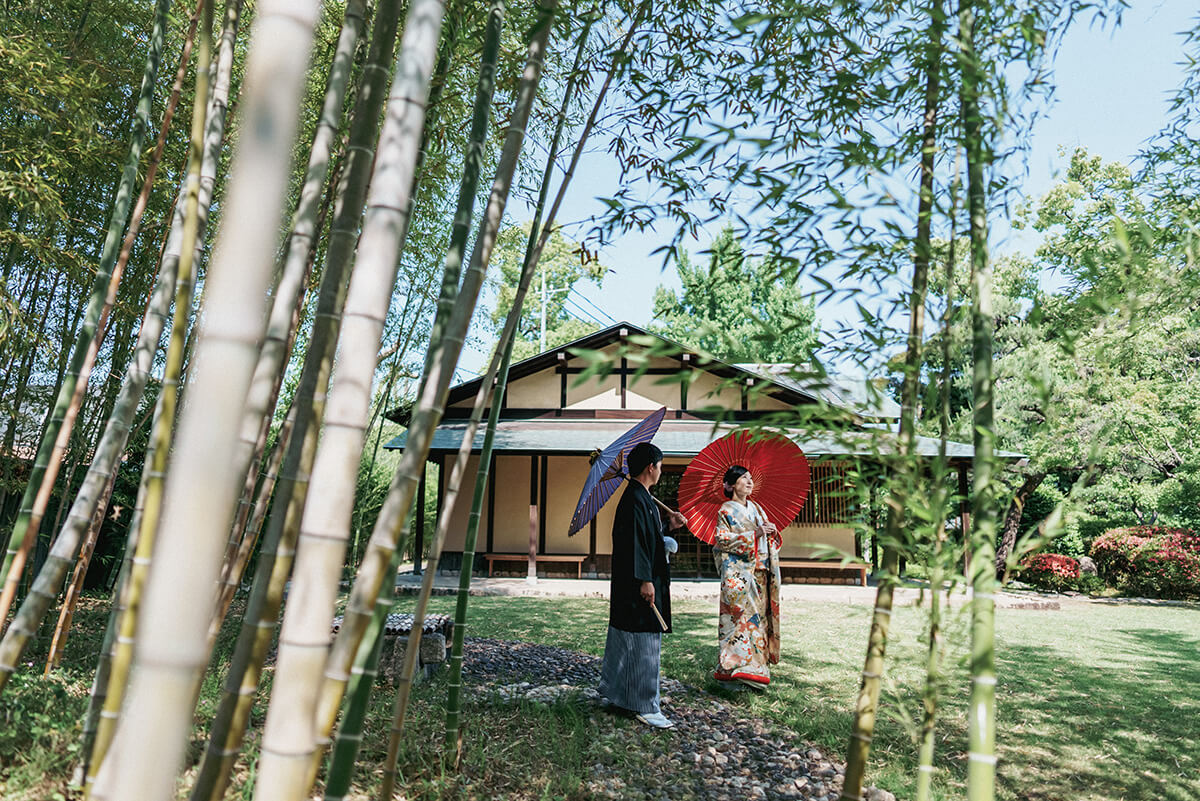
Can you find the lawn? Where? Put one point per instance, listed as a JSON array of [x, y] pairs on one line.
[[1096, 702]]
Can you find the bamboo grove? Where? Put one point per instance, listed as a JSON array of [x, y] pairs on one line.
[[315, 244]]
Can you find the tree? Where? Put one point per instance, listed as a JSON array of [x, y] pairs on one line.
[[551, 307], [739, 309], [1093, 376]]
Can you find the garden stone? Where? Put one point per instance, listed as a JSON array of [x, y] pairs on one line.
[[1087, 566]]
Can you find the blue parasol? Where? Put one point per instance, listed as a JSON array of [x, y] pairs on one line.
[[610, 471]]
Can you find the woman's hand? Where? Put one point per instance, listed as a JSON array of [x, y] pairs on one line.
[[771, 531], [647, 591]]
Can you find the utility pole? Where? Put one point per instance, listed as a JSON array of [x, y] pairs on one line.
[[545, 293]]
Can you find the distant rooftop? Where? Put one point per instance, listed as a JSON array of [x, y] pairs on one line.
[[858, 394]]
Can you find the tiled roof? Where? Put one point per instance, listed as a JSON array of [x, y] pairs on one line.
[[674, 437]]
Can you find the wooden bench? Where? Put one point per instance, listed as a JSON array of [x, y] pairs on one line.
[[820, 565], [578, 559]]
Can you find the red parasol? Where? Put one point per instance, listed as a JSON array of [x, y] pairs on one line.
[[779, 469]]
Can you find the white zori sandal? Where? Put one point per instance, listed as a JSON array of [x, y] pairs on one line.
[[656, 719]]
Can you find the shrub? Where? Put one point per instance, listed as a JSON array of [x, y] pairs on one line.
[[1153, 561], [1090, 584], [1050, 571]]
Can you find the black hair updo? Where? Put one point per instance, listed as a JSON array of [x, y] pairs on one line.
[[731, 476]]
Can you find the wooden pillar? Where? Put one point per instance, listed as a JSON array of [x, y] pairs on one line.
[[542, 506], [419, 538], [873, 516], [562, 390], [624, 380], [683, 385], [592, 544], [531, 572], [964, 516], [491, 509]]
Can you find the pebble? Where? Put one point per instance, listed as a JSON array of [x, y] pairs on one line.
[[718, 753]]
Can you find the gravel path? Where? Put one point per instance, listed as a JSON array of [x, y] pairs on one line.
[[713, 752]]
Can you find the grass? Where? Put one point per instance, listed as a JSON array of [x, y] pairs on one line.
[[1096, 702]]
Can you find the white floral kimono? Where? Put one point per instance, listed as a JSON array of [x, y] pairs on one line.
[[749, 616]]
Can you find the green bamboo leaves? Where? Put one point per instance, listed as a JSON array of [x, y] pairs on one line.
[[41, 479]]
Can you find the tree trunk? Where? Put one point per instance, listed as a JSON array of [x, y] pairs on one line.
[[1012, 524]]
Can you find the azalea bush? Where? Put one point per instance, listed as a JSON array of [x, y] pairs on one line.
[[1152, 561], [1050, 571]]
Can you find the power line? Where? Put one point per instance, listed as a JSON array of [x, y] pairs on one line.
[[580, 310], [593, 305]]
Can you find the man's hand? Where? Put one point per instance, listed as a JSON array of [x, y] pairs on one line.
[[676, 520], [648, 591]]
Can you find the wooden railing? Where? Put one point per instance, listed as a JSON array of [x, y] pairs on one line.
[[831, 499]]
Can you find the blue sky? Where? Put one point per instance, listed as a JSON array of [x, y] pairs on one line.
[[1113, 87]]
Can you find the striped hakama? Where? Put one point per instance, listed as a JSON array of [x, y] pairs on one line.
[[629, 673]]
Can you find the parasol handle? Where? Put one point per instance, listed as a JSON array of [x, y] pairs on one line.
[[658, 615], [662, 505]]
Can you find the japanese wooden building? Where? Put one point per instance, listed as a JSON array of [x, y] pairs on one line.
[[551, 422]]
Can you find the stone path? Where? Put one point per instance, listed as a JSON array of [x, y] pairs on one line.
[[714, 752], [683, 589]]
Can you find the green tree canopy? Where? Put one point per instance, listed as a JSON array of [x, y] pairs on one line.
[[738, 308], [1098, 368], [563, 264]]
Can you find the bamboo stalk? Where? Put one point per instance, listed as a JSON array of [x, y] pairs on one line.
[[362, 680], [49, 580], [454, 256], [200, 493], [981, 711], [268, 376], [366, 663], [206, 135], [120, 605], [45, 469], [430, 400], [139, 210], [504, 347], [941, 497], [288, 739], [397, 352], [275, 559], [867, 704], [112, 444], [75, 586]]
